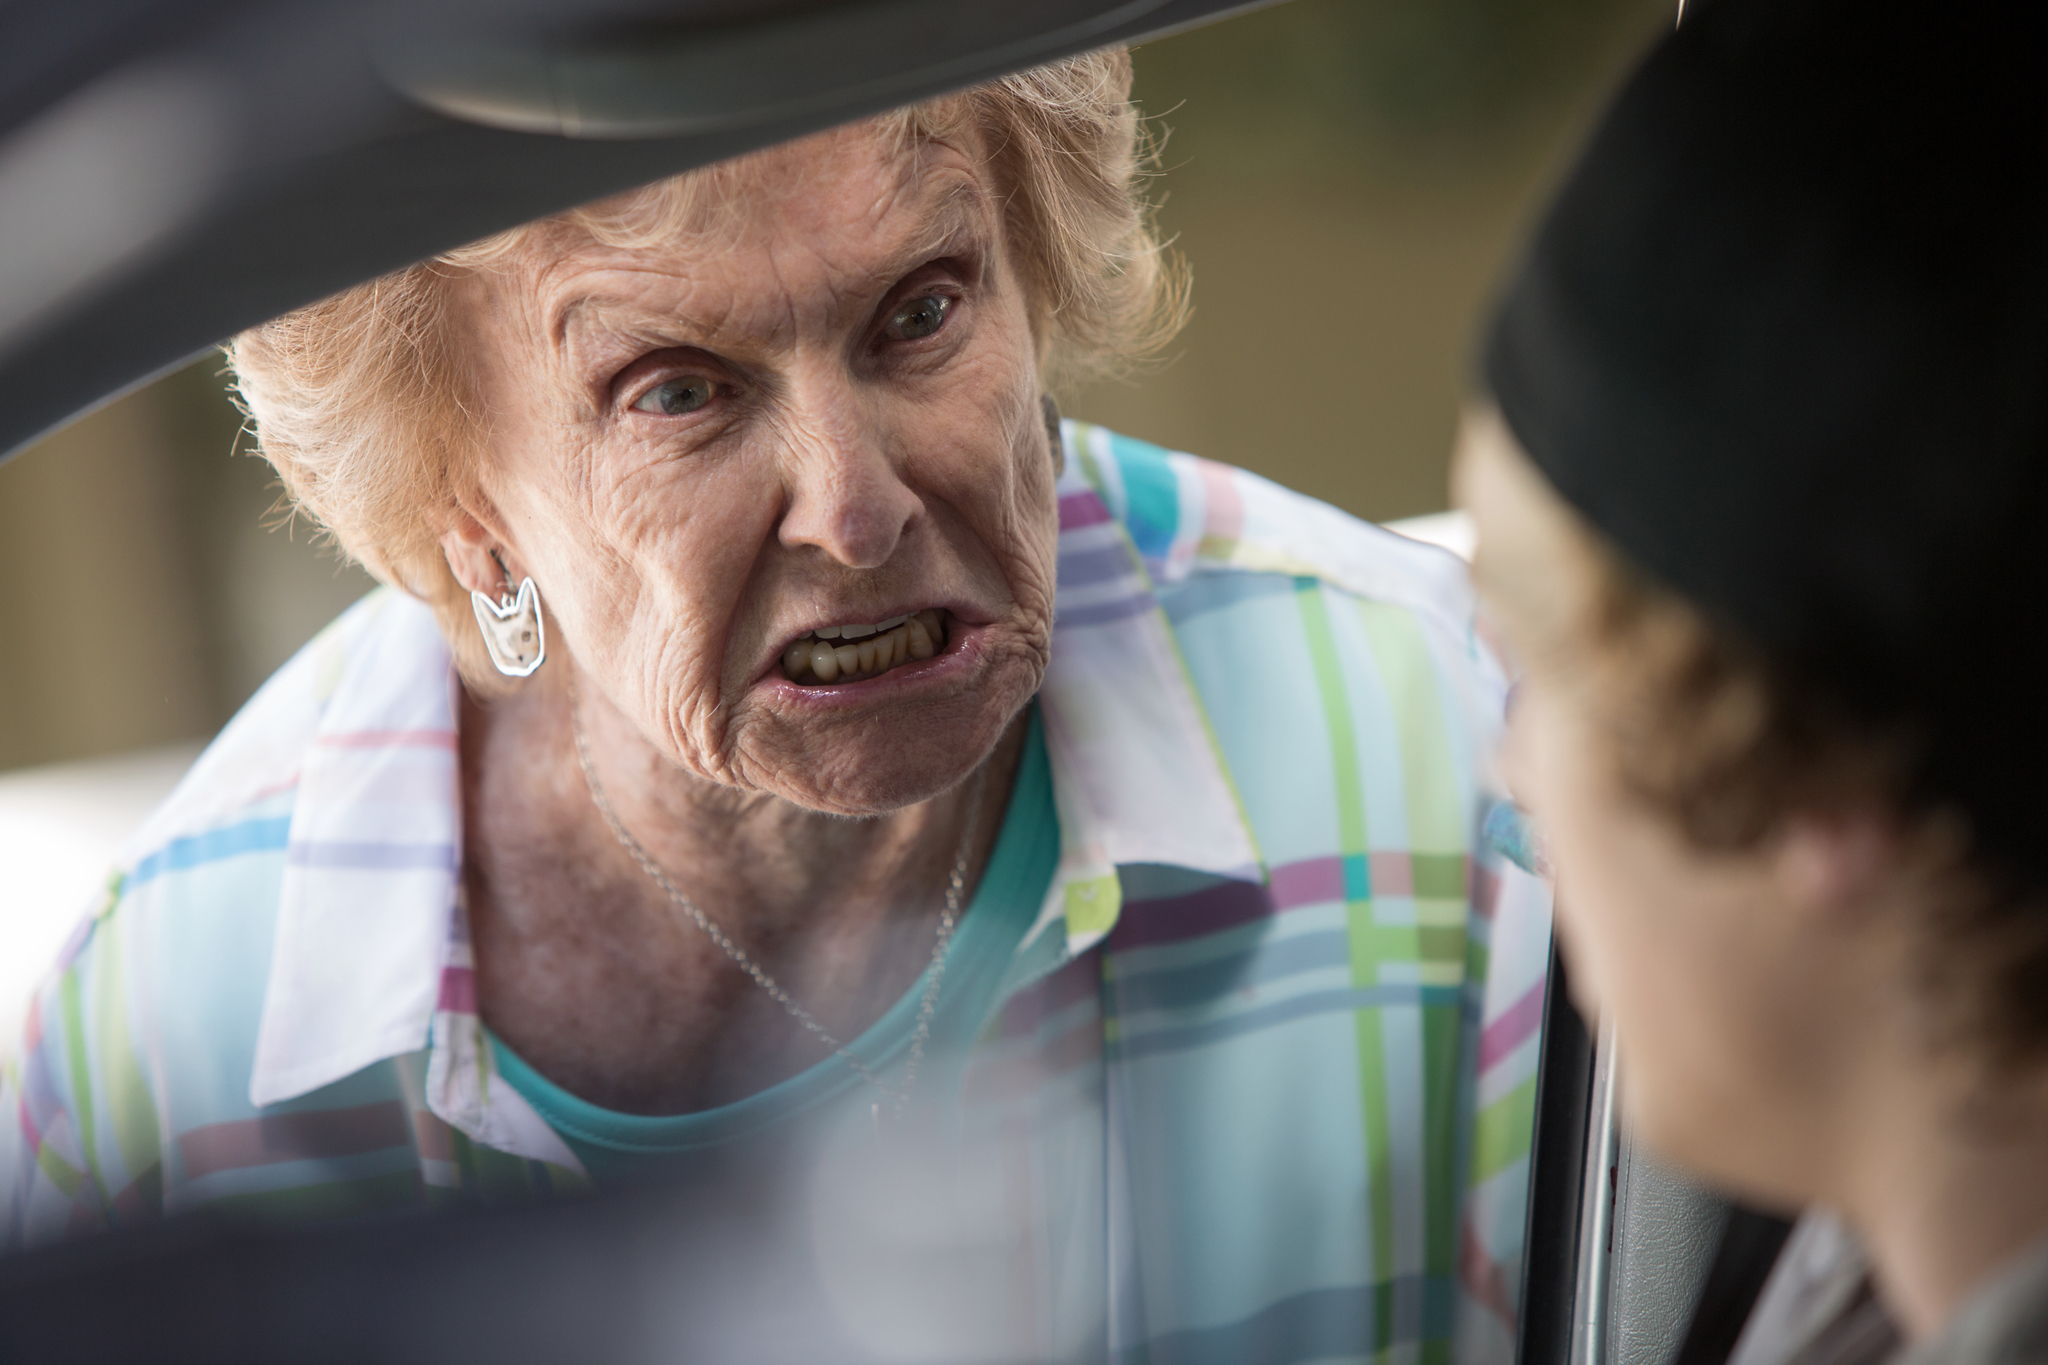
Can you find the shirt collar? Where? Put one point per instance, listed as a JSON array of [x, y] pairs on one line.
[[369, 934], [1137, 774], [373, 857]]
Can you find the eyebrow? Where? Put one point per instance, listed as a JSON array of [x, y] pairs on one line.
[[964, 206]]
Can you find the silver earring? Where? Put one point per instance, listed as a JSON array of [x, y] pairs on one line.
[[512, 627]]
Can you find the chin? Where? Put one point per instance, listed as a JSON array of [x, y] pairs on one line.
[[876, 763]]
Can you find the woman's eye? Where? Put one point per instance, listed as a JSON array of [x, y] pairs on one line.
[[677, 396], [919, 317]]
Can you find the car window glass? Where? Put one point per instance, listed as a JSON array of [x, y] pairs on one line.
[[1342, 180]]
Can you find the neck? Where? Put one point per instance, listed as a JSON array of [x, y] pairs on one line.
[[783, 862], [589, 969], [1951, 1184]]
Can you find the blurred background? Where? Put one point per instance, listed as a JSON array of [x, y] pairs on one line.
[[1346, 180]]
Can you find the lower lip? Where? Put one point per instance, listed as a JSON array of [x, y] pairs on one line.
[[964, 647]]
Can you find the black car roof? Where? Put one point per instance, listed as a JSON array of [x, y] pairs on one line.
[[172, 171]]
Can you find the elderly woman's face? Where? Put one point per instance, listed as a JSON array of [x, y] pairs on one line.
[[821, 412]]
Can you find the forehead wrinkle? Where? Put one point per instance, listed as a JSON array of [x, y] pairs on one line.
[[945, 188], [959, 217], [965, 207], [676, 311], [957, 205], [571, 309]]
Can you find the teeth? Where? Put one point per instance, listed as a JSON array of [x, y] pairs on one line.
[[879, 648]]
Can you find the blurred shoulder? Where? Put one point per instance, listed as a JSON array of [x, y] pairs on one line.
[[1189, 516], [1232, 554], [256, 758], [213, 849]]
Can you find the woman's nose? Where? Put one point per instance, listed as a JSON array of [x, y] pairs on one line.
[[848, 498]]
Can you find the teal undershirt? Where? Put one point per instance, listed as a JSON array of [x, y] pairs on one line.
[[615, 1146]]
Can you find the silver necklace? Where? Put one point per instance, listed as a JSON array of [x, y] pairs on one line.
[[956, 886]]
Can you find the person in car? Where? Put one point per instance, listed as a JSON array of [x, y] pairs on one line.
[[1759, 493], [776, 716]]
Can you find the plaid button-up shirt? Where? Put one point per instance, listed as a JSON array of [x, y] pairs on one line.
[[1276, 996]]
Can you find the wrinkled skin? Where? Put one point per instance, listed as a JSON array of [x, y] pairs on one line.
[[842, 467], [837, 475]]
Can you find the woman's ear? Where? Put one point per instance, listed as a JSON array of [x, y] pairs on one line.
[[473, 554]]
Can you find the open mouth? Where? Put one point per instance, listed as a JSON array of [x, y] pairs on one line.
[[851, 653]]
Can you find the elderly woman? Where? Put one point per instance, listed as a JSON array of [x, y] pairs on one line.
[[1759, 507], [717, 764]]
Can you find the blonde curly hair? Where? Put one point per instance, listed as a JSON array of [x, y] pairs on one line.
[[357, 400]]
